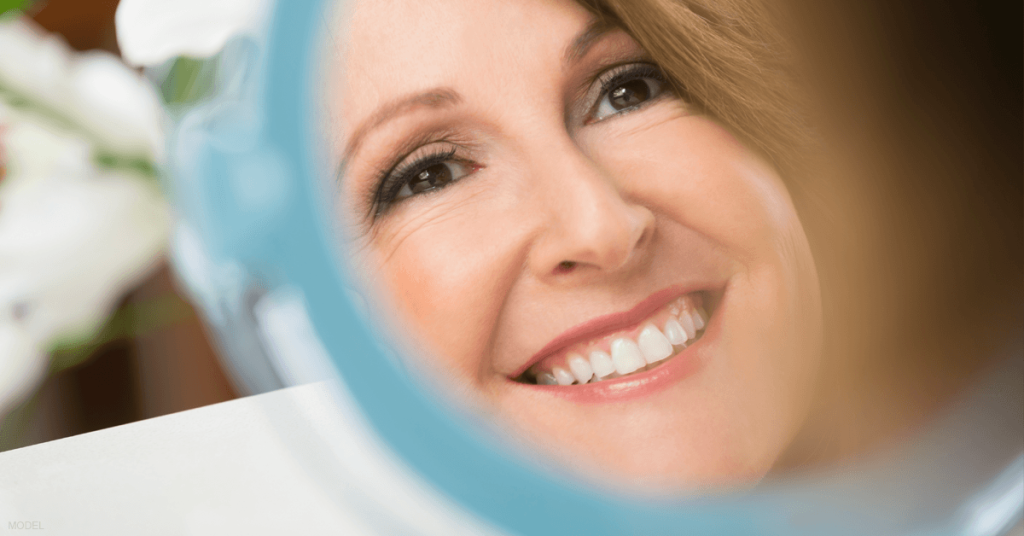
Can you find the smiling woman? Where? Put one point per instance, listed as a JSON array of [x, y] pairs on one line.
[[610, 268], [588, 219]]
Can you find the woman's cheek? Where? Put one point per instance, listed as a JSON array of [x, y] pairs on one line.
[[697, 173], [450, 305]]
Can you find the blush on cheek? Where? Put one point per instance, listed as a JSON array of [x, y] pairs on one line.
[[710, 182], [760, 176], [449, 279]]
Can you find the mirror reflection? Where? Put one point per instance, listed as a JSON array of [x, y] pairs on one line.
[[610, 228]]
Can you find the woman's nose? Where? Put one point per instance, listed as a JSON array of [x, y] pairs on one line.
[[589, 226]]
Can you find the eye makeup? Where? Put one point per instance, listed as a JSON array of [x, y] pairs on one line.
[[618, 77], [392, 184], [446, 153], [585, 105], [431, 148]]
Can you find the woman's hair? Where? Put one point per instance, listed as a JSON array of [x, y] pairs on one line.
[[912, 197]]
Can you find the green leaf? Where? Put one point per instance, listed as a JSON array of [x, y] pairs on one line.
[[9, 7], [189, 80], [132, 320], [138, 165]]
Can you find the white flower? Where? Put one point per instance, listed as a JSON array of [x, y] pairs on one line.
[[150, 32], [75, 233], [114, 106]]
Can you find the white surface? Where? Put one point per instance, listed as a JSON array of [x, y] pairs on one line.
[[295, 461]]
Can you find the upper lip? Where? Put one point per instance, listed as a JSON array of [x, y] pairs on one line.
[[605, 324]]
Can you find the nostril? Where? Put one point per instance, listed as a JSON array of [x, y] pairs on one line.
[[565, 267]]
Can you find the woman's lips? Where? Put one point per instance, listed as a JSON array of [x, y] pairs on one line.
[[634, 385], [658, 337], [599, 334], [657, 377]]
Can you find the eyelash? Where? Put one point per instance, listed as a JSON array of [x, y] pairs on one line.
[[391, 182], [630, 72], [622, 74]]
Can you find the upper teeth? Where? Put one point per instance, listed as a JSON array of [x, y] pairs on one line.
[[675, 333], [627, 356], [581, 368], [654, 344], [602, 363], [564, 377], [700, 318]]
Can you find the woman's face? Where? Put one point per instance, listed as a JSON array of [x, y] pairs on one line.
[[545, 210]]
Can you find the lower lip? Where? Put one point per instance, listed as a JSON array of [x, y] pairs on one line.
[[681, 366]]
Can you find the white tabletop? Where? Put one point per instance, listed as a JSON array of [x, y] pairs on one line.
[[258, 465]]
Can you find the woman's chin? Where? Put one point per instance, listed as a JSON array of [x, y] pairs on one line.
[[641, 457]]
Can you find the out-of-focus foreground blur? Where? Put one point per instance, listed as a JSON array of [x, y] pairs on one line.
[[148, 353]]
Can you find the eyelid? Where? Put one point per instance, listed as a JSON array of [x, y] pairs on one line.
[[614, 76], [595, 85], [609, 76], [615, 63], [406, 149], [389, 182], [416, 154], [410, 147]]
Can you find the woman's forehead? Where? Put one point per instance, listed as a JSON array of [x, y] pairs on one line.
[[399, 47]]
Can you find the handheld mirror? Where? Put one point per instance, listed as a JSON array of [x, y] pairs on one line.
[[566, 288]]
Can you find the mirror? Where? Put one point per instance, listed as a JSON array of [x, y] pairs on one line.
[[635, 239], [804, 275]]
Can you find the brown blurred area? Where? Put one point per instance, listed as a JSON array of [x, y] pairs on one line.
[[924, 227], [167, 367], [85, 24]]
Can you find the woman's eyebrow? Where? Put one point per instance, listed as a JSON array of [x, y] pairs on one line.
[[581, 43], [443, 97], [440, 97]]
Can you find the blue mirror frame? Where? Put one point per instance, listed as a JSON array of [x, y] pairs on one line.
[[281, 234]]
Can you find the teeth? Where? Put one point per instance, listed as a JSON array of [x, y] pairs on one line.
[[563, 376], [546, 378], [675, 333], [602, 364], [580, 368], [626, 356], [701, 315], [654, 345], [688, 326]]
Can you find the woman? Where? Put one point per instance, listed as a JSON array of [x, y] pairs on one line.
[[587, 216]]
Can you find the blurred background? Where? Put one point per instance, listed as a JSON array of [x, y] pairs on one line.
[[152, 356]]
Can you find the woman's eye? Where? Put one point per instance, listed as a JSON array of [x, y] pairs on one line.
[[422, 175], [628, 90], [431, 177]]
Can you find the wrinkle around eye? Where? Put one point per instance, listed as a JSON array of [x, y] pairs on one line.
[[652, 116], [666, 109], [439, 213]]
